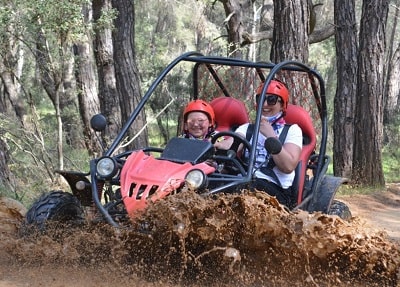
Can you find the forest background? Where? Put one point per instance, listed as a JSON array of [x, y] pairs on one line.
[[63, 62]]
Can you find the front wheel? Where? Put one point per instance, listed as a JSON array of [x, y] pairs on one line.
[[340, 209], [56, 207]]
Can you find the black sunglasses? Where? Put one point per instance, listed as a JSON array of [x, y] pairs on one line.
[[271, 99]]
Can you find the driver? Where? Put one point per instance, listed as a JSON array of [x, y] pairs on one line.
[[274, 173]]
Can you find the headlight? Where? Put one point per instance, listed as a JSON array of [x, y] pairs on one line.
[[196, 179], [106, 167]]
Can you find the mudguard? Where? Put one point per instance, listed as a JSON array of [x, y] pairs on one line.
[[325, 193], [72, 177]]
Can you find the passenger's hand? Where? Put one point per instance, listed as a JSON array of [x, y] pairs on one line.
[[212, 163], [266, 129], [224, 144]]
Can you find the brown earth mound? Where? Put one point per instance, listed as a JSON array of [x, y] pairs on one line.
[[236, 240]]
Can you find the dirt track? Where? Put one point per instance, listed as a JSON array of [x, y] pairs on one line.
[[380, 210], [46, 263]]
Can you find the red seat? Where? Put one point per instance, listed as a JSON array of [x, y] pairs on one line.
[[229, 113], [298, 115]]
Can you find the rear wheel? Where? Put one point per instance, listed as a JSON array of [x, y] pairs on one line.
[[340, 209], [55, 207]]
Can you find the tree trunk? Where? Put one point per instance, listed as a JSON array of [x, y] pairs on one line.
[[290, 36], [234, 25], [87, 87], [7, 87], [72, 126], [60, 153], [108, 96], [392, 84], [344, 108], [10, 70], [127, 74], [87, 94], [56, 80], [290, 42], [51, 81], [367, 164], [393, 87], [5, 173], [392, 101]]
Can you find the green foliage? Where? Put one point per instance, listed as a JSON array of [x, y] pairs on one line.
[[26, 156], [391, 151], [63, 18], [347, 189], [5, 15], [34, 157], [106, 19], [391, 165], [164, 30]]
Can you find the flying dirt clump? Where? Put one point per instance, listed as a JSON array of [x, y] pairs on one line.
[[253, 234], [11, 214], [245, 239]]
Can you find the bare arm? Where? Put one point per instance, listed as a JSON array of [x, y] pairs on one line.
[[286, 160]]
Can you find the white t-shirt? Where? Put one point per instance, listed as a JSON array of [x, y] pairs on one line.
[[294, 136]]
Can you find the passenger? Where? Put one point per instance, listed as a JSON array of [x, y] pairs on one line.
[[274, 173], [199, 123], [198, 120]]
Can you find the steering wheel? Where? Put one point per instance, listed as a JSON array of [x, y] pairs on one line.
[[230, 154]]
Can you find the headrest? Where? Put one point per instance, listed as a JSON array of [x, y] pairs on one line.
[[229, 113], [298, 115]]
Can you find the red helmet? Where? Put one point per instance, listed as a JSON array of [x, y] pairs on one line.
[[200, 106], [278, 88]]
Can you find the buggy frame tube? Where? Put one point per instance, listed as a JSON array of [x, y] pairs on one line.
[[95, 195]]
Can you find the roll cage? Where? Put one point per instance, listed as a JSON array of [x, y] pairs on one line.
[[316, 161]]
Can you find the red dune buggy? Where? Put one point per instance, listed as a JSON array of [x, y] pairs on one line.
[[122, 182]]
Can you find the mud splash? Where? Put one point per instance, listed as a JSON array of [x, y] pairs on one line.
[[232, 240]]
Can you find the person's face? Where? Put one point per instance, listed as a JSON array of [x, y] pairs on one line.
[[197, 124], [272, 105]]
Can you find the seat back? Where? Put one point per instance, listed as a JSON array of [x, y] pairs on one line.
[[229, 113], [298, 115]]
